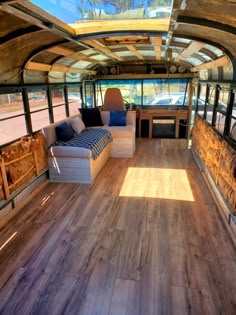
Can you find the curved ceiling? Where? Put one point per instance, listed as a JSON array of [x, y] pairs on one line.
[[195, 36]]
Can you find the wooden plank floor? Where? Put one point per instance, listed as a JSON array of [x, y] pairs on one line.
[[144, 239]]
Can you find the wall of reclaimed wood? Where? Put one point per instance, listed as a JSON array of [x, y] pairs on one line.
[[20, 162], [218, 156]]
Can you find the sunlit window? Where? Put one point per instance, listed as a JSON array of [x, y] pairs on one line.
[[161, 92], [71, 11], [58, 104], [210, 103], [201, 100], [11, 127], [74, 99], [222, 108], [233, 118], [130, 90], [38, 103]]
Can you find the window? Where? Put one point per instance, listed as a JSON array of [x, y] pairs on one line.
[[147, 92], [74, 99], [38, 103], [130, 89], [169, 92], [233, 116], [210, 103], [58, 104], [89, 94], [221, 109], [12, 117], [201, 100], [71, 11]]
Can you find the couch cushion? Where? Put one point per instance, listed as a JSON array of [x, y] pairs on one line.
[[64, 132], [77, 124], [74, 152], [121, 131], [117, 118], [91, 117], [105, 116], [50, 130]]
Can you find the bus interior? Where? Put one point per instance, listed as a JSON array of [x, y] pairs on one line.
[[148, 227]]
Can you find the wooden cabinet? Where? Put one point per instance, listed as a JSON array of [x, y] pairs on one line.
[[176, 114]]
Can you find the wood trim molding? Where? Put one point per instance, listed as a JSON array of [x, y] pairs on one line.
[[37, 66], [220, 62]]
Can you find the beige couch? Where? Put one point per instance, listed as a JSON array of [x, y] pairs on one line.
[[123, 144], [75, 164]]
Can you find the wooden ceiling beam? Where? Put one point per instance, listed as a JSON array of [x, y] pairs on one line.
[[190, 50], [160, 25], [157, 42], [133, 49], [157, 53], [98, 46], [37, 66], [220, 62], [61, 51]]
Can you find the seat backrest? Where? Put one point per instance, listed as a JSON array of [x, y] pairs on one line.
[[113, 100]]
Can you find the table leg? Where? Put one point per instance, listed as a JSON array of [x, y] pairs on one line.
[[176, 128], [139, 127], [150, 128]]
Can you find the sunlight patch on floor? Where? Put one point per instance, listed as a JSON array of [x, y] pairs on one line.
[[7, 241], [157, 183]]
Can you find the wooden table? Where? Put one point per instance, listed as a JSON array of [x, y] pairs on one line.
[[150, 114]]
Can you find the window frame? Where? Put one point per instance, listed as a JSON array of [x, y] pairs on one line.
[[25, 90]]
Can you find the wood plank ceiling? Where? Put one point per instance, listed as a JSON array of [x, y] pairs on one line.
[[194, 37]]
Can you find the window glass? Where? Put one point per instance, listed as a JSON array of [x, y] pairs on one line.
[[203, 89], [72, 11], [58, 104], [74, 99], [210, 103], [39, 119], [194, 100], [89, 94], [58, 97], [169, 92], [12, 128], [223, 97], [220, 122], [233, 129], [38, 103], [37, 100], [59, 113], [201, 100], [221, 109], [11, 105], [130, 90], [233, 120]]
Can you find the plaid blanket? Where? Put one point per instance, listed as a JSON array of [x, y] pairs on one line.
[[94, 139]]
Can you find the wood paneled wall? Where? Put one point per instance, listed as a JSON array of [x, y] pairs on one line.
[[218, 156], [20, 162]]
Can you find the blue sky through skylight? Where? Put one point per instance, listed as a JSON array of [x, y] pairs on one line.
[[71, 11]]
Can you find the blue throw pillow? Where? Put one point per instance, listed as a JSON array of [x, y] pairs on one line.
[[117, 118], [64, 132]]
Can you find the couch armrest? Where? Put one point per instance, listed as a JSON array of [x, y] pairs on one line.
[[131, 118]]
